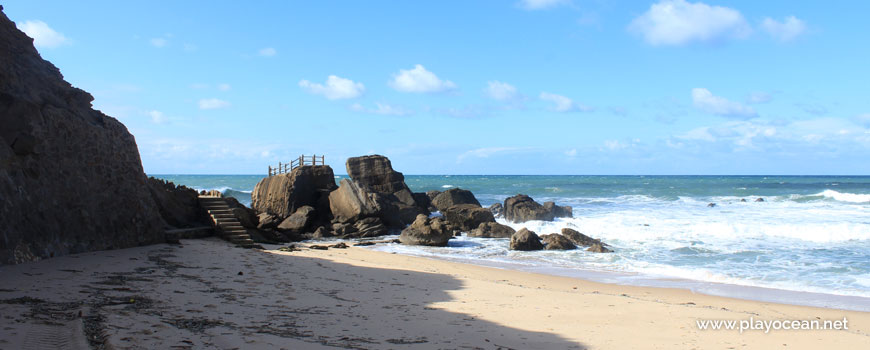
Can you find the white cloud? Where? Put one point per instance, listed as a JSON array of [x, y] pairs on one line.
[[224, 87], [564, 104], [382, 109], [863, 119], [571, 152], [759, 97], [678, 22], [419, 80], [786, 30], [704, 100], [159, 42], [485, 152], [336, 88], [268, 52], [212, 103], [157, 117], [43, 36], [541, 4], [500, 91]]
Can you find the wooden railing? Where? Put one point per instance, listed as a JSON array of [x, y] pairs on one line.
[[295, 163]]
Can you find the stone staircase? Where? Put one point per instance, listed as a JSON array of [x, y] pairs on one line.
[[226, 224]]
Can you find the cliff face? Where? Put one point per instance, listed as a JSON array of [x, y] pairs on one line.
[[71, 179]]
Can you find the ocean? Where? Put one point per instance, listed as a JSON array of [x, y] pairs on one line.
[[808, 242]]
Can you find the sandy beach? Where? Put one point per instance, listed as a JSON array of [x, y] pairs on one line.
[[207, 294]]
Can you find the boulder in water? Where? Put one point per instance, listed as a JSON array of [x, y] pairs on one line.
[[555, 241], [492, 230], [426, 231], [525, 240], [454, 196]]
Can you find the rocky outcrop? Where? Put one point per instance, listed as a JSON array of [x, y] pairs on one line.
[[373, 178], [246, 216], [525, 240], [71, 179], [492, 230], [282, 194], [350, 202], [580, 239], [426, 231], [299, 221], [555, 241], [522, 208], [178, 205], [424, 202], [467, 217], [453, 196]]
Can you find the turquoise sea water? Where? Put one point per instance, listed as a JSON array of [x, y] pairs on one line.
[[811, 234]]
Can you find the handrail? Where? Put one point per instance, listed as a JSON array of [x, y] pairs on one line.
[[284, 168]]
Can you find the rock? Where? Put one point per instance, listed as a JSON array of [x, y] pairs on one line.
[[743, 199], [492, 230], [525, 240], [497, 210], [71, 178], [432, 194], [599, 248], [454, 196], [559, 211], [759, 199], [339, 245], [522, 208], [266, 236], [178, 205], [466, 217], [321, 232], [555, 241], [267, 221], [375, 173], [711, 205], [282, 194], [318, 247], [299, 221], [370, 227], [579, 238], [424, 202], [426, 231], [350, 202]]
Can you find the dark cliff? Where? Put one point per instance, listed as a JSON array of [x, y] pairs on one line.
[[71, 179]]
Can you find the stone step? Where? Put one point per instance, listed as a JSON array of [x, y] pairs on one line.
[[233, 238], [220, 211], [223, 215], [216, 207], [235, 231]]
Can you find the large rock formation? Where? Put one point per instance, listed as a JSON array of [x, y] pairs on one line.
[[467, 217], [71, 179], [426, 231], [374, 178], [178, 205], [453, 196], [351, 202], [522, 208], [281, 195]]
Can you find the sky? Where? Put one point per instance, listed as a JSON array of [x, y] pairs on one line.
[[475, 87]]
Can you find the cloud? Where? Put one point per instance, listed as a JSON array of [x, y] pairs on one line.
[[704, 100], [419, 80], [157, 117], [43, 35], [813, 108], [500, 91], [678, 22], [224, 87], [863, 119], [564, 104], [784, 31], [267, 52], [571, 152], [336, 88], [532, 5], [382, 109], [159, 42], [485, 152], [213, 103], [759, 97]]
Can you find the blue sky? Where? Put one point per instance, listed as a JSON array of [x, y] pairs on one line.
[[475, 87]]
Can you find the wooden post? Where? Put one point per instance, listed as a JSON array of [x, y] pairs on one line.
[[270, 170]]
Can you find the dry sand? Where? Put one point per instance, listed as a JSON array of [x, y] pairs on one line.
[[206, 294]]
